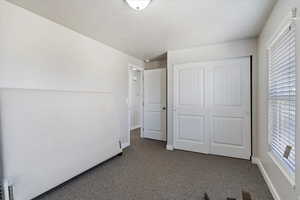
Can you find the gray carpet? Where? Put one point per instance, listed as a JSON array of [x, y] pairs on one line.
[[146, 171]]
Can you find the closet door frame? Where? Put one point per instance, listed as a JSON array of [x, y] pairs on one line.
[[175, 99]]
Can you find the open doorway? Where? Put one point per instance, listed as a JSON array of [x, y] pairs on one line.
[[135, 100]]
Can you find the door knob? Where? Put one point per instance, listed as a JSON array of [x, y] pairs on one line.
[[164, 108]]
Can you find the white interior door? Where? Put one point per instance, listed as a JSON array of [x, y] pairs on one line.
[[190, 113], [230, 109], [155, 104], [212, 107]]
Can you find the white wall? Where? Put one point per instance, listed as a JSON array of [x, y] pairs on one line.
[[37, 53], [298, 105], [281, 185], [207, 53], [52, 136], [45, 62]]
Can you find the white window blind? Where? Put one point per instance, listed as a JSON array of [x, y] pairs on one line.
[[282, 97]]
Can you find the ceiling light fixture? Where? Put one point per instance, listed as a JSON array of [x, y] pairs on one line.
[[138, 4]]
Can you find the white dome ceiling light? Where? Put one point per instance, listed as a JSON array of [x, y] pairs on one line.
[[138, 4]]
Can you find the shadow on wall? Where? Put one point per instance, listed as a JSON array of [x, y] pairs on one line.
[[157, 62]]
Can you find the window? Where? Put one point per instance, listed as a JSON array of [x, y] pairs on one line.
[[282, 97]]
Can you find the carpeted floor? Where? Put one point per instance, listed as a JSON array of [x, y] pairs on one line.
[[146, 171]]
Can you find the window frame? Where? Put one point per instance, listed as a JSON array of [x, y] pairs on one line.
[[291, 176]]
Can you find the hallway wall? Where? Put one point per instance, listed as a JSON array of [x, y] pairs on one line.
[[156, 64]]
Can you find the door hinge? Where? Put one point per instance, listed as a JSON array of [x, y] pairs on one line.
[[10, 192]]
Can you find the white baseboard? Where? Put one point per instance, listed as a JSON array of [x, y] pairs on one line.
[[135, 127], [272, 189], [154, 136], [170, 147], [125, 145]]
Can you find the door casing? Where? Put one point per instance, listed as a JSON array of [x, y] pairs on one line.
[[129, 100], [155, 104]]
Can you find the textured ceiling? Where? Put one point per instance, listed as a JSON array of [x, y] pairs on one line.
[[164, 25]]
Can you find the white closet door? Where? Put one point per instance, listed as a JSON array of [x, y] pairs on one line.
[[212, 107], [155, 95], [229, 104], [190, 113]]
